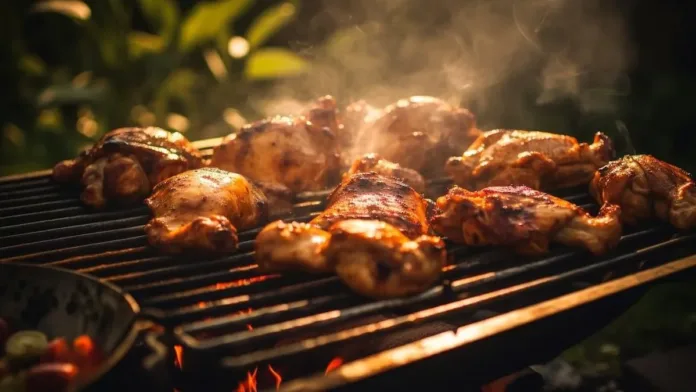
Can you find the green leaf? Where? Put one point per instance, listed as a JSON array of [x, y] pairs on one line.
[[162, 15], [74, 9], [269, 22], [268, 63], [206, 19], [140, 43]]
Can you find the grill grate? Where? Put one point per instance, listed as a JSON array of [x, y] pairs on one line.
[[228, 318]]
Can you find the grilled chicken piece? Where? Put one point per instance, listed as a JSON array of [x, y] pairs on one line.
[[282, 152], [645, 188], [126, 163], [375, 163], [374, 233], [525, 219], [538, 160], [418, 132], [202, 210]]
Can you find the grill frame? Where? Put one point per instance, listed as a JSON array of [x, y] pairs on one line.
[[156, 280]]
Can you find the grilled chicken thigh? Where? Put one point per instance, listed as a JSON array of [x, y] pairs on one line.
[[418, 132], [645, 188], [538, 160], [374, 233], [525, 219], [282, 152], [375, 163], [126, 163], [202, 210]]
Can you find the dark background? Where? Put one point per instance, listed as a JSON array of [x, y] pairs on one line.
[[398, 47]]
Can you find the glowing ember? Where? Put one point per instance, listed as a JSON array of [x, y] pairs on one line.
[[178, 356], [241, 282], [333, 364]]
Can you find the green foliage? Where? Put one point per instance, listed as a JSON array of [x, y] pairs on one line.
[[207, 19], [269, 22], [273, 62], [111, 75]]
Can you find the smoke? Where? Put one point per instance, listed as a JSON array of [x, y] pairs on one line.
[[499, 57]]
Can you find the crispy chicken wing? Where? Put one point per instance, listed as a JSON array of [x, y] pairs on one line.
[[202, 210], [374, 233], [375, 163], [289, 152], [126, 163], [418, 132], [645, 188], [538, 160], [525, 219]]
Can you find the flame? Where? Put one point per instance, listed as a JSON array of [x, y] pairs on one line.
[[250, 384], [333, 365], [178, 356], [276, 375]]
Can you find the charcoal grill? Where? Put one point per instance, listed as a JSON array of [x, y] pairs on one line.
[[494, 311]]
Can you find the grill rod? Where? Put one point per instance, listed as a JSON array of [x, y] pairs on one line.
[[251, 339], [438, 344]]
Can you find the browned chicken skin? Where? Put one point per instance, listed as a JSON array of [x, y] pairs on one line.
[[646, 188], [525, 219], [374, 233], [126, 163], [538, 160], [418, 132], [202, 210], [282, 152], [375, 163]]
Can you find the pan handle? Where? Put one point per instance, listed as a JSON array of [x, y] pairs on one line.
[[155, 353]]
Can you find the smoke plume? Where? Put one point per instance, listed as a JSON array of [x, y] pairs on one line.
[[502, 58]]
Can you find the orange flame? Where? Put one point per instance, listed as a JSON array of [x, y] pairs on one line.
[[276, 375], [333, 365], [250, 383], [178, 356]]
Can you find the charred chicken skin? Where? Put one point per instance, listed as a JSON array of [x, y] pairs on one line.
[[524, 219], [282, 152], [374, 233], [202, 210], [418, 132], [126, 163], [538, 160], [646, 188], [375, 163]]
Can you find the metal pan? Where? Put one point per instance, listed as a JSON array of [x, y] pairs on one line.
[[63, 303]]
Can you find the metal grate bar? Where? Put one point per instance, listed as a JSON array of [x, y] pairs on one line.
[[43, 190], [102, 259], [15, 201], [72, 241], [448, 341], [98, 247], [465, 273], [9, 212], [364, 331], [60, 232], [69, 222], [11, 183]]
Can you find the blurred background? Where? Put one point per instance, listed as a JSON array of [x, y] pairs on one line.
[[72, 70]]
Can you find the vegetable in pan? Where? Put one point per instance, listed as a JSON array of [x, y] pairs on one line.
[[32, 363]]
